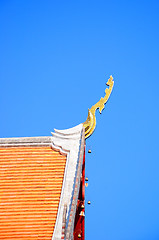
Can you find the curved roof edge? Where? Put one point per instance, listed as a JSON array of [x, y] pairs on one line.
[[72, 142]]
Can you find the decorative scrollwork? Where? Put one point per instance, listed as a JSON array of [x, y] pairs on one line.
[[90, 123]]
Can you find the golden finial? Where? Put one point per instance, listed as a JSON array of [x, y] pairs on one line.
[[90, 123]]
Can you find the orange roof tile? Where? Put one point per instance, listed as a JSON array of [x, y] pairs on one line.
[[31, 180]]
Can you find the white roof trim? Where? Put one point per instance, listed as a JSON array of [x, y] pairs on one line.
[[25, 141], [68, 141]]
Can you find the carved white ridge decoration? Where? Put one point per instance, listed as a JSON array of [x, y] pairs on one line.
[[67, 142]]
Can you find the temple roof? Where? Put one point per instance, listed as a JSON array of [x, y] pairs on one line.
[[39, 184]]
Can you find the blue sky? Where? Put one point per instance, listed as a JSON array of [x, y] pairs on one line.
[[55, 58]]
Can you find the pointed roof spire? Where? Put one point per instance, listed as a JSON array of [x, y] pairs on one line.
[[90, 123]]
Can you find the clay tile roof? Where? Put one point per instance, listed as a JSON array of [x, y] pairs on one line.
[[39, 185]]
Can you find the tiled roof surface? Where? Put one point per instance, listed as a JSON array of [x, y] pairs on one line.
[[30, 186]]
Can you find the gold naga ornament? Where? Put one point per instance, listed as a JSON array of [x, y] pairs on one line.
[[90, 123]]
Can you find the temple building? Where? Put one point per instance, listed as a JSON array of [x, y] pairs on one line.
[[42, 182]]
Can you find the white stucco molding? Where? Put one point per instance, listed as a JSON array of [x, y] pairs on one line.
[[69, 142]]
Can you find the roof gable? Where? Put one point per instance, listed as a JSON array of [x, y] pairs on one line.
[[32, 161]]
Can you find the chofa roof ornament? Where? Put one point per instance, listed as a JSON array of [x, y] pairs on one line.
[[90, 123]]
